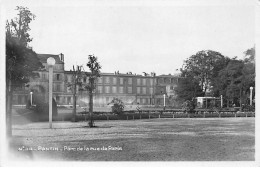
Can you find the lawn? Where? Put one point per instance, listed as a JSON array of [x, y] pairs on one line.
[[211, 139]]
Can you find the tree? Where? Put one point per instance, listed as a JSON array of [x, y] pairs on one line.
[[94, 68], [21, 60], [204, 66], [118, 106], [228, 83], [188, 88], [235, 80], [247, 79], [77, 76]]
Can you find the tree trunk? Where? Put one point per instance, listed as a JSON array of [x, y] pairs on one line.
[[227, 103], [9, 98], [74, 103], [91, 121], [240, 99]]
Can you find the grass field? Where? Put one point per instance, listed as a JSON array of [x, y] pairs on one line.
[[211, 139]]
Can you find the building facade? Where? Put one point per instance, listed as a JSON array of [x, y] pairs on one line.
[[132, 89]]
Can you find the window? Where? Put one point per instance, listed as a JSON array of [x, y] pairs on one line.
[[121, 80], [171, 87], [68, 100], [151, 82], [58, 87], [84, 79], [138, 90], [129, 89], [138, 82], [121, 89], [144, 82], [143, 101], [100, 80], [161, 80], [69, 78], [151, 90], [144, 90], [99, 89], [114, 89], [107, 89], [107, 80], [129, 80], [114, 80], [43, 76], [77, 89], [57, 76], [107, 99], [138, 101]]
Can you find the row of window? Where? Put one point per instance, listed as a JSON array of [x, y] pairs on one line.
[[57, 77], [168, 80], [143, 101], [114, 89], [115, 80]]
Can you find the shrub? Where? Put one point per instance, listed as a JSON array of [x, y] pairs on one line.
[[118, 106], [42, 110], [188, 106]]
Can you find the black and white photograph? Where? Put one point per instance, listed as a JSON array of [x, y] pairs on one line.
[[160, 81]]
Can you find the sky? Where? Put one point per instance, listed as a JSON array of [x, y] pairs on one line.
[[138, 36]]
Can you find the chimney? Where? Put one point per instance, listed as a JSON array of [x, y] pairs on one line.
[[61, 57]]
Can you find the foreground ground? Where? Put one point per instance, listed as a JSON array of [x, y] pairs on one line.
[[210, 139]]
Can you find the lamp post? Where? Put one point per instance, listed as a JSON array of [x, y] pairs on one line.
[[31, 93], [251, 95], [221, 101], [51, 63]]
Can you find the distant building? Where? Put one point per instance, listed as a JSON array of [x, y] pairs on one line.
[[132, 89]]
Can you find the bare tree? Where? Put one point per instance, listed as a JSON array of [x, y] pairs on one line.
[[94, 68], [77, 76]]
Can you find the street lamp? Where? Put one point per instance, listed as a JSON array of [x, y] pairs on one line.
[[251, 95], [31, 93], [51, 63]]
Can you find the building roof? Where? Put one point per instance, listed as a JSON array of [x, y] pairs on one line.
[[43, 58]]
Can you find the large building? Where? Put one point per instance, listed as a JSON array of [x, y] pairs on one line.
[[132, 89]]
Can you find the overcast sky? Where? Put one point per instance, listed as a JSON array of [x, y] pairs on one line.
[[151, 36]]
